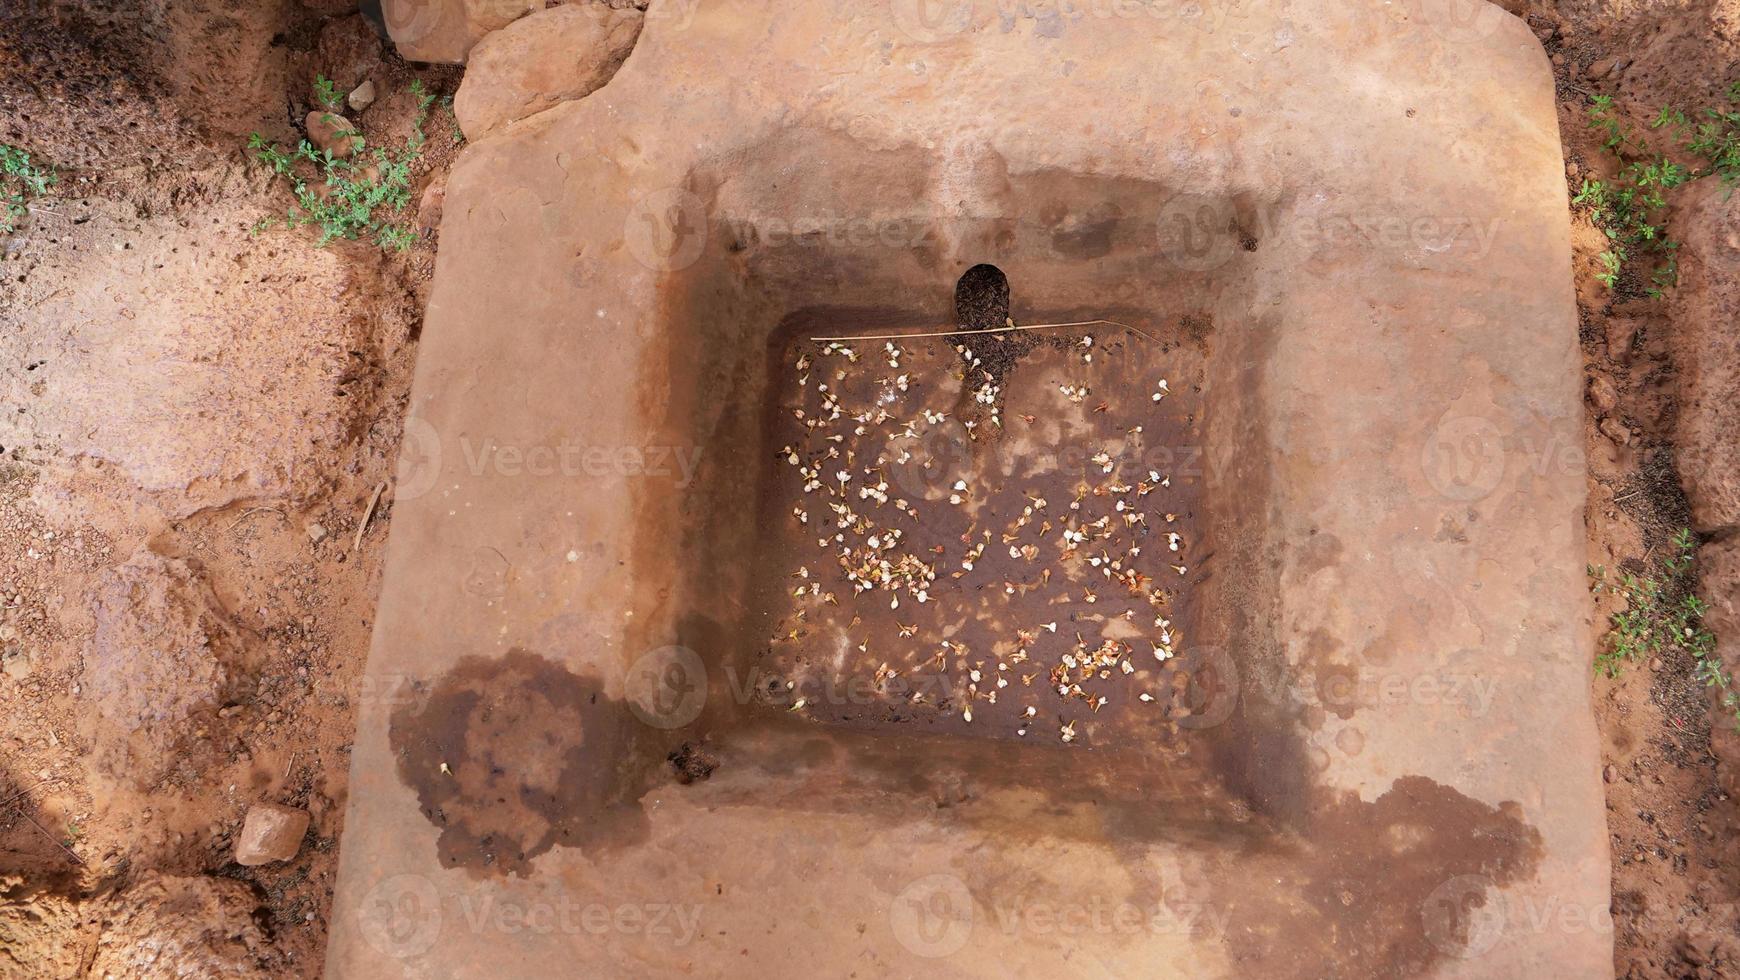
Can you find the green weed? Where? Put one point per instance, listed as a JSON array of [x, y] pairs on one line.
[[1631, 208], [21, 182], [326, 93], [1661, 615], [361, 197]]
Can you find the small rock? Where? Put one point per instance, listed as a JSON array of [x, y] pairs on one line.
[[331, 131], [1621, 337], [429, 205], [1614, 429], [16, 664], [1655, 663], [362, 96], [1608, 774], [1558, 59], [1603, 393], [271, 832], [316, 533], [443, 31], [1572, 170], [1602, 68], [552, 56]]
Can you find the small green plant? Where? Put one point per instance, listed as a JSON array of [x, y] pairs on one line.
[[1712, 137], [326, 93], [1631, 208], [1662, 615], [21, 182], [424, 101], [458, 134], [362, 196]]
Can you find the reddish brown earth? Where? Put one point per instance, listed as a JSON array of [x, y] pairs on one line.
[[1672, 816], [196, 420]]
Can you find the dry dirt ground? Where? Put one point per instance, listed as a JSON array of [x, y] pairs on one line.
[[195, 419]]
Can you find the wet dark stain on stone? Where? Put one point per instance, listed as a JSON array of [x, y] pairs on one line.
[[1338, 689], [1380, 889], [510, 757], [692, 762]]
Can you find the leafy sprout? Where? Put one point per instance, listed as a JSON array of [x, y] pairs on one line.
[[1662, 615], [21, 181], [1631, 209], [364, 196], [327, 93]]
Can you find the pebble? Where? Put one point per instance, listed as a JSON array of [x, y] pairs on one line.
[[1614, 429], [316, 533], [271, 832], [362, 96], [16, 664], [430, 204], [330, 131]]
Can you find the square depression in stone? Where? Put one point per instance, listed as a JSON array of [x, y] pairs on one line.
[[983, 534], [604, 280]]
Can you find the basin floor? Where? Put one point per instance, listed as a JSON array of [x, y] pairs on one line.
[[984, 534]]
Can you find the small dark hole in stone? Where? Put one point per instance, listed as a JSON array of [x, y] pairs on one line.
[[982, 298]]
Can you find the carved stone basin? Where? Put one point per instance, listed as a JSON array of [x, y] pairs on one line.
[[653, 689]]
